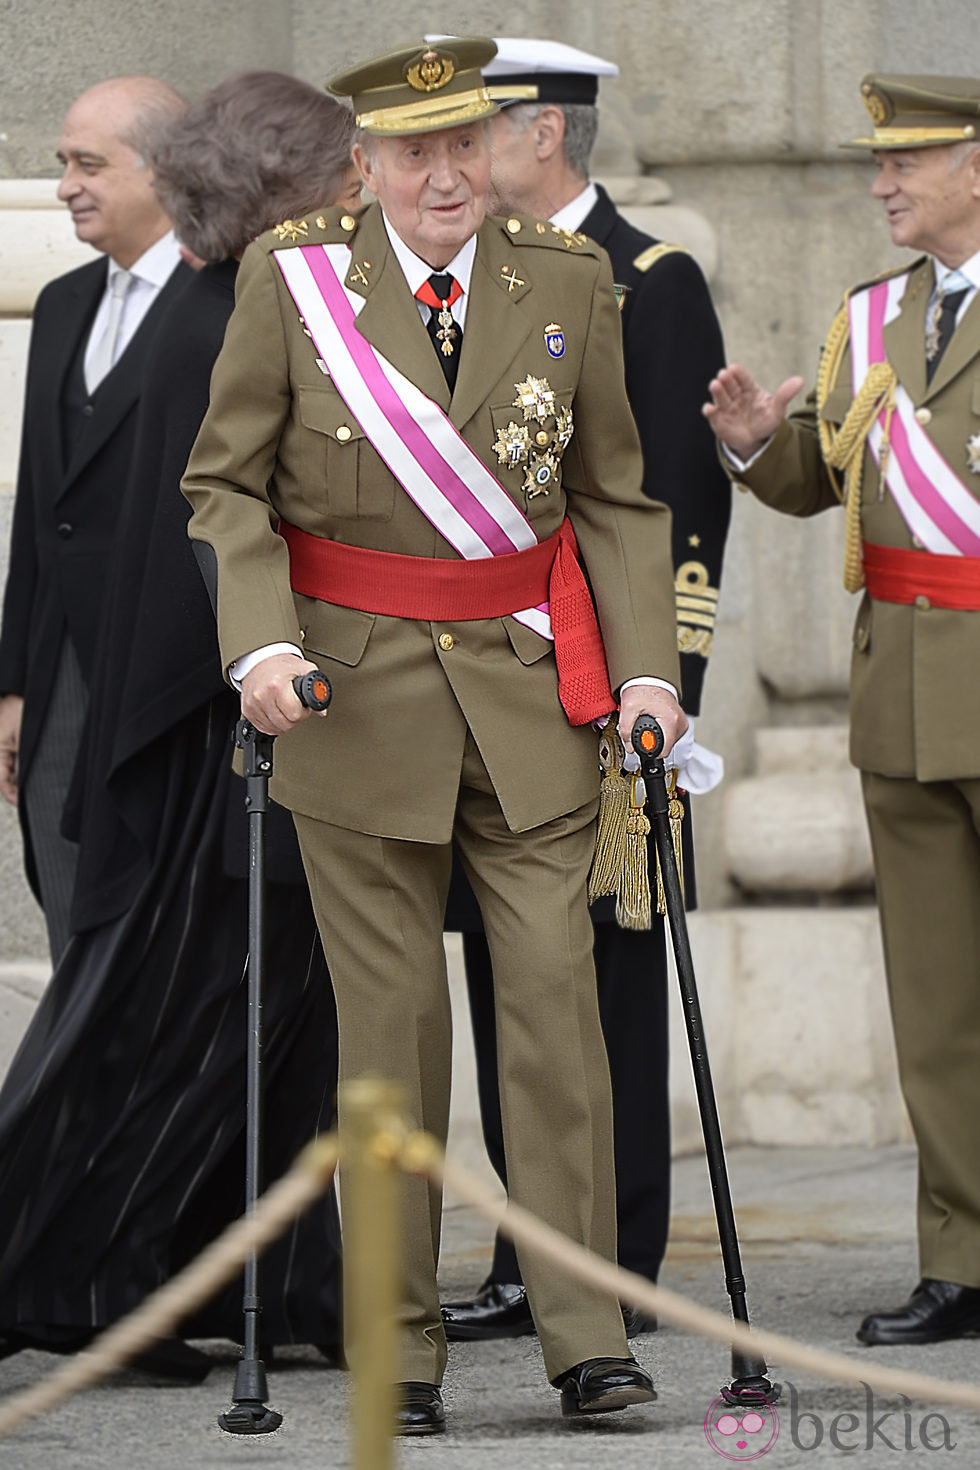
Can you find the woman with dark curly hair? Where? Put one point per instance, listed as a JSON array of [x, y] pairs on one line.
[[122, 1115]]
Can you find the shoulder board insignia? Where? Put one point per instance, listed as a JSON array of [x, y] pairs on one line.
[[292, 230], [887, 275], [525, 230], [653, 253]]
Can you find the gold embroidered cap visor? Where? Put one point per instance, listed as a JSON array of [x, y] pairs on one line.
[[421, 88], [920, 112]]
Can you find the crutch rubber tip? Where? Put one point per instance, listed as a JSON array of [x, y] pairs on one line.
[[249, 1418]]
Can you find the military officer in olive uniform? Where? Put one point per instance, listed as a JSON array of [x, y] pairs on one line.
[[541, 142], [429, 464], [894, 431]]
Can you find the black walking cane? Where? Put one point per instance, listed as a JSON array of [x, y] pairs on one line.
[[750, 1383], [248, 1413]]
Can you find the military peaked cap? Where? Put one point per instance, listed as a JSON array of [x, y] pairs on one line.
[[920, 112], [422, 88]]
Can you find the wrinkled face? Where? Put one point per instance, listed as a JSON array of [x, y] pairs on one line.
[[514, 167], [104, 181], [432, 187], [932, 200]]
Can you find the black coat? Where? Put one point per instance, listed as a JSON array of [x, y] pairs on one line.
[[66, 514], [673, 348], [122, 1114]]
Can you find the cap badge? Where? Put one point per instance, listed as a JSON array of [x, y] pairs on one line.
[[430, 73], [973, 453], [877, 110], [554, 340]]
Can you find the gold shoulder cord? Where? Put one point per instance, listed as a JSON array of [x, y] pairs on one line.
[[843, 447]]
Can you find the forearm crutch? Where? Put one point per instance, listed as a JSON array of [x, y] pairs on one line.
[[750, 1382], [248, 1413]]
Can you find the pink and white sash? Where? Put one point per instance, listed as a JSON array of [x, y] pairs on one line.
[[449, 483], [935, 504]]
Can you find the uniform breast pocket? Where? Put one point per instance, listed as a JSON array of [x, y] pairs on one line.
[[529, 442], [358, 485]]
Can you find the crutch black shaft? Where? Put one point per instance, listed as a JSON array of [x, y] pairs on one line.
[[249, 1413], [749, 1373]]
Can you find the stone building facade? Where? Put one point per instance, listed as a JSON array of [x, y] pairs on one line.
[[721, 133]]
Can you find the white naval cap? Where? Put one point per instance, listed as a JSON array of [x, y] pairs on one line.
[[543, 71]]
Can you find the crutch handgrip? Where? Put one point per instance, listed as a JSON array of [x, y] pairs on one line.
[[646, 737], [313, 689]]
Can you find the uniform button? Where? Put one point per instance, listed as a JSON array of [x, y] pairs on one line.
[[514, 226], [88, 410], [347, 222], [66, 530], [302, 635], [446, 641], [924, 415], [922, 602], [344, 433], [916, 543], [542, 437]]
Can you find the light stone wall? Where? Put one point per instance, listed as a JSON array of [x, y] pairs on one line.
[[722, 133]]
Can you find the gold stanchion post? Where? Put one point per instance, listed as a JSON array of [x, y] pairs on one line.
[[373, 1130]]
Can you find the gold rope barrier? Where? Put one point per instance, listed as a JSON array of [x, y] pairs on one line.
[[377, 1142], [423, 1155]]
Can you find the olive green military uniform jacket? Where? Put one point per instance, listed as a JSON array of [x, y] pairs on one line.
[[915, 697], [279, 440]]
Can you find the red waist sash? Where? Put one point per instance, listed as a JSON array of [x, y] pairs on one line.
[[894, 574], [438, 589]]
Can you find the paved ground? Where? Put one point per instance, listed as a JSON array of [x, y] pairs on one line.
[[827, 1234]]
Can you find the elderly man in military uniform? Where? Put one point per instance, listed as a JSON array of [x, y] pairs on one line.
[[894, 432], [418, 447], [540, 143]]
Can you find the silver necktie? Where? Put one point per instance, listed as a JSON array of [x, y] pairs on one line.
[[104, 356]]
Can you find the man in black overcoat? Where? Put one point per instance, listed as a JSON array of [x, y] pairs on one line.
[[541, 144], [91, 331]]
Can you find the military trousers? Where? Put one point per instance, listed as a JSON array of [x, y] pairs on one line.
[[380, 904], [926, 842]]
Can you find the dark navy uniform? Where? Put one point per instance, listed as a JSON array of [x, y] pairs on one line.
[[673, 347]]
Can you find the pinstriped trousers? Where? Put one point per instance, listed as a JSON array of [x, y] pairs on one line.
[[46, 790]]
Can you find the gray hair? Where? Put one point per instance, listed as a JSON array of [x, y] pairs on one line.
[[258, 148], [581, 126], [960, 152]]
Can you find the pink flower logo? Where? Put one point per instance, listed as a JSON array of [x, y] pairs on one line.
[[741, 1432]]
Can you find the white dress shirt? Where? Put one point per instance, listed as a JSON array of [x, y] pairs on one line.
[[149, 273]]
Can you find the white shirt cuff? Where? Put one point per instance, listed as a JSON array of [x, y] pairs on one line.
[[744, 464], [244, 665], [649, 679]]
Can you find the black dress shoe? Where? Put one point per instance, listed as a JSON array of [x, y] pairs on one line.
[[499, 1309], [637, 1322], [419, 1409], [171, 1357], [935, 1312], [600, 1385]]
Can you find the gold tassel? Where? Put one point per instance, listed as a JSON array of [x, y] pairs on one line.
[[633, 899], [675, 815], [614, 801]]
